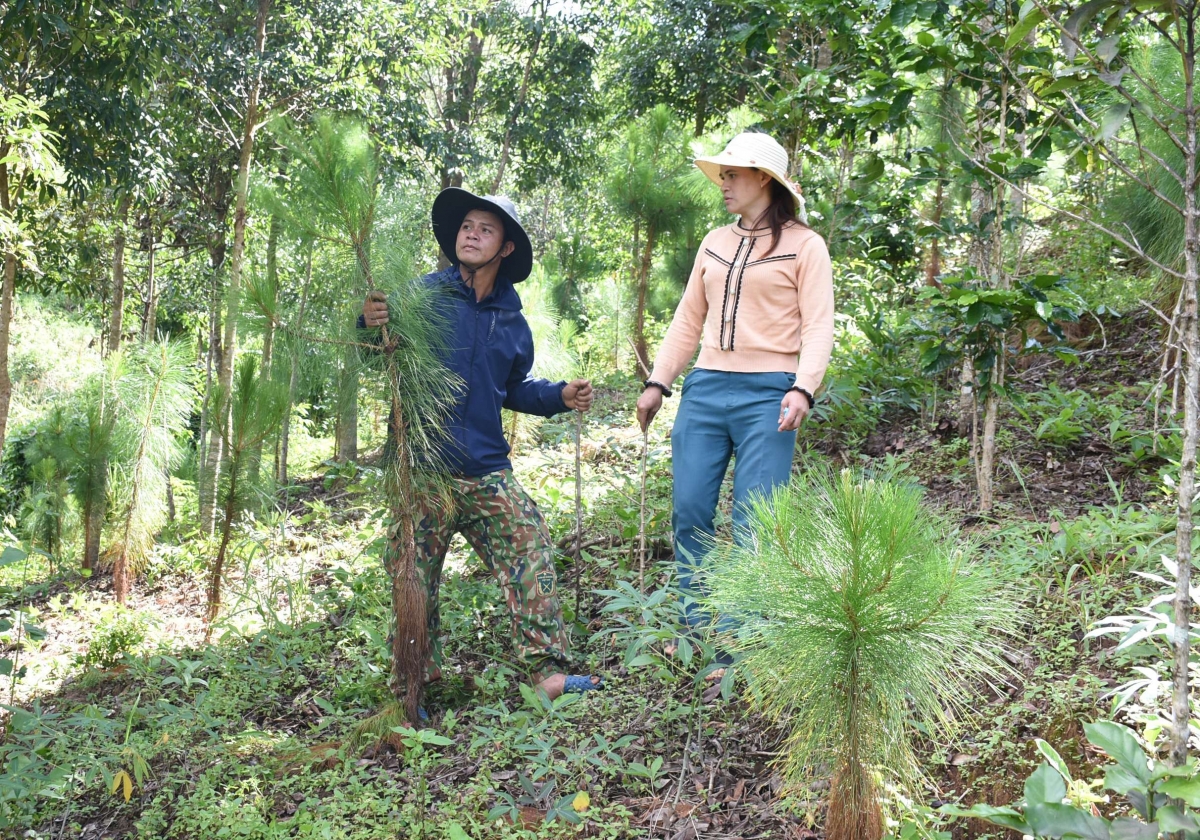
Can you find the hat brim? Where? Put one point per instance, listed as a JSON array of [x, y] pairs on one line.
[[711, 167], [452, 206]]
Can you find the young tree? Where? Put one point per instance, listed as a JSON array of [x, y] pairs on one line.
[[648, 187], [337, 180], [255, 408], [155, 399], [861, 613]]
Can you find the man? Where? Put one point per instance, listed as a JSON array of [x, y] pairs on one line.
[[491, 349]]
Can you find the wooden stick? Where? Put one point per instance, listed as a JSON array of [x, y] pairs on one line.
[[642, 517], [578, 508]]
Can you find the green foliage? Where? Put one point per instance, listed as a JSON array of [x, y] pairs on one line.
[[156, 393], [863, 615], [647, 180], [119, 633], [1164, 799], [970, 320], [48, 515]]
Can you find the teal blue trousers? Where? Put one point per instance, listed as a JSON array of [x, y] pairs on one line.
[[723, 415]]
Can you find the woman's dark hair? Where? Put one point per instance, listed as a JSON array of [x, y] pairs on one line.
[[779, 212]]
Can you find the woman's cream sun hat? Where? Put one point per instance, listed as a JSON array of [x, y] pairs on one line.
[[758, 151]]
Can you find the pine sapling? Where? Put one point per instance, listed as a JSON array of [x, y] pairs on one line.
[[255, 409], [861, 611], [336, 179]]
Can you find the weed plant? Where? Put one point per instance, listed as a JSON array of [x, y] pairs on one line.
[[863, 614]]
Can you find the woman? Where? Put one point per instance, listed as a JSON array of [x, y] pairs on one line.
[[761, 293]]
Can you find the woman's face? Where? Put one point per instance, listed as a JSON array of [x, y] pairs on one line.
[[744, 188]]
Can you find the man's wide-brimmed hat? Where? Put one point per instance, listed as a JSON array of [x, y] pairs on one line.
[[757, 151], [452, 206]]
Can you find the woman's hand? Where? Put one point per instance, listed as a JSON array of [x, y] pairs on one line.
[[792, 411], [648, 405]]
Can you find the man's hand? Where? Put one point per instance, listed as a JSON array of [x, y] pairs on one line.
[[375, 309], [648, 405], [792, 411], [577, 395]]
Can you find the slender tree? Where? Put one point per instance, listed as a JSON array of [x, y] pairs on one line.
[[256, 407], [648, 188], [154, 401], [337, 179]]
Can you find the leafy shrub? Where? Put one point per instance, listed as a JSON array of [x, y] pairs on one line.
[[119, 632], [1162, 797]]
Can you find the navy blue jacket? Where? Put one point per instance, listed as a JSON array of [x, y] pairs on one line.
[[491, 349]]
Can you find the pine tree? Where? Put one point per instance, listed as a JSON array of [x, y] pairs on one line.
[[861, 612], [256, 407], [648, 185], [154, 398], [335, 181]]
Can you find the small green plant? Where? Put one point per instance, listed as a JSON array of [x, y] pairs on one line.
[[120, 632], [1163, 798], [862, 616]]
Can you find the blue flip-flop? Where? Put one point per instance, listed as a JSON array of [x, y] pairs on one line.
[[578, 684]]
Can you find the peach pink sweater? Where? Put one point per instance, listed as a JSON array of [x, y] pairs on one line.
[[758, 311]]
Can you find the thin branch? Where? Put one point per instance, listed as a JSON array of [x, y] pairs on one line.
[[1105, 229]]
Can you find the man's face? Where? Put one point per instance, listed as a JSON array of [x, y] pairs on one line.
[[480, 238]]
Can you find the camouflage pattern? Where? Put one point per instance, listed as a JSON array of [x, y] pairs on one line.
[[501, 522]]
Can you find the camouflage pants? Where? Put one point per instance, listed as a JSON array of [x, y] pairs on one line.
[[503, 525]]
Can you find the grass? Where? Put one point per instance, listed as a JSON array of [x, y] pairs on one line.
[[250, 734]]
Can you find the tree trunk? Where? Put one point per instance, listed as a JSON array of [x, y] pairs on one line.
[[220, 415], [519, 106], [268, 349], [117, 315], [93, 524], [281, 469], [209, 456], [643, 284], [1190, 333], [8, 285], [150, 310], [997, 279], [346, 445]]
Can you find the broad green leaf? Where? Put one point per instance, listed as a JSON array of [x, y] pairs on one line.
[[1050, 819], [642, 660], [1051, 755], [6, 666], [1131, 828], [1006, 817], [1186, 789], [1024, 26], [1111, 122], [12, 554], [1122, 745], [1171, 819], [456, 832], [1045, 785], [1119, 780], [1044, 309], [1078, 19]]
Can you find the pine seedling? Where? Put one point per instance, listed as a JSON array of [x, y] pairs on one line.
[[255, 410], [862, 615], [155, 397], [88, 445], [48, 513], [335, 181]]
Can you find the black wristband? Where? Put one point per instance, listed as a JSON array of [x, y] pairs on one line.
[[650, 383], [804, 391]]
